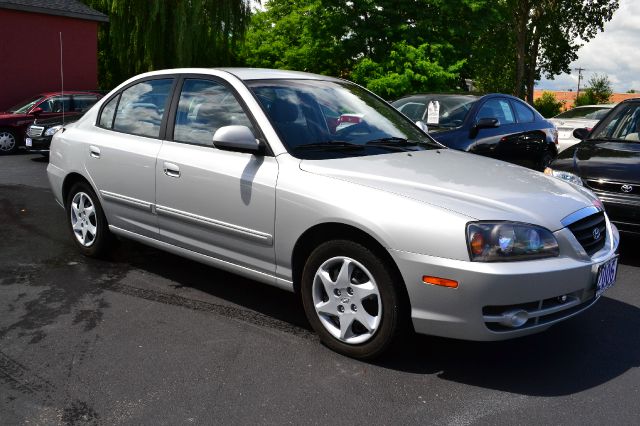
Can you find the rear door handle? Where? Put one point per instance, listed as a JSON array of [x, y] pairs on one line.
[[94, 151], [171, 170]]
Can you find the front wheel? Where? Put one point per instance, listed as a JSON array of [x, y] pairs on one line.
[[86, 221], [8, 142], [352, 300]]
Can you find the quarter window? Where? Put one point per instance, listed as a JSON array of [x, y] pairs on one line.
[[142, 107], [204, 107], [524, 113], [497, 108], [108, 111]]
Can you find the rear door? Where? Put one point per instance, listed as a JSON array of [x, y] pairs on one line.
[[216, 202], [121, 153]]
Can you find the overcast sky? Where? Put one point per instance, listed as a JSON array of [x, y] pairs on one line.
[[615, 52]]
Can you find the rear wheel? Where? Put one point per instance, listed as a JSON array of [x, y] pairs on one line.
[[8, 141], [87, 222], [351, 299]]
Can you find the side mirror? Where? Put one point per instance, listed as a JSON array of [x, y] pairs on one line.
[[484, 123], [423, 126], [37, 111], [581, 133], [237, 138]]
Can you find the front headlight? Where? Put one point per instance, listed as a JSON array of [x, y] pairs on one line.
[[52, 130], [509, 241], [566, 176]]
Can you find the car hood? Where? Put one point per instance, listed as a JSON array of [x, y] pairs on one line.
[[615, 161], [477, 187]]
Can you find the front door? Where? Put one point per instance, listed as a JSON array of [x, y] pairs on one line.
[[215, 202]]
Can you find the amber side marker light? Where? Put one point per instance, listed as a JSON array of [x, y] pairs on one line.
[[442, 282]]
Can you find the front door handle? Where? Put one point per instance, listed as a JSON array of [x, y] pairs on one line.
[[171, 170], [94, 151]]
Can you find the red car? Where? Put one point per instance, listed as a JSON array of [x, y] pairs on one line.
[[14, 121]]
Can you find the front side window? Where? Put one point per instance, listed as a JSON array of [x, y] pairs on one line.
[[56, 104], [497, 108], [330, 119], [142, 107], [624, 124], [204, 107]]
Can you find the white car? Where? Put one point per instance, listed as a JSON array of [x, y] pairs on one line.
[[577, 118]]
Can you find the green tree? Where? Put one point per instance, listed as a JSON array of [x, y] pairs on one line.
[[546, 35], [143, 35], [408, 69], [598, 91], [548, 105]]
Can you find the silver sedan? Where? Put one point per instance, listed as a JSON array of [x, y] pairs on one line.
[[315, 185]]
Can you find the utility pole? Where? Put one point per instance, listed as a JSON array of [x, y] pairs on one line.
[[579, 79]]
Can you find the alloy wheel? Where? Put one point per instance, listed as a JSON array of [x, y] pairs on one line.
[[347, 300], [7, 141], [83, 219]]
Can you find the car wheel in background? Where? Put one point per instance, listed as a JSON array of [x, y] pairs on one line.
[[351, 299], [86, 220], [8, 142], [546, 159]]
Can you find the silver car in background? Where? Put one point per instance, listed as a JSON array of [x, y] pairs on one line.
[[577, 118], [315, 185]]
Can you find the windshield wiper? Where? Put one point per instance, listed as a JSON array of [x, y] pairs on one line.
[[400, 143], [329, 145]]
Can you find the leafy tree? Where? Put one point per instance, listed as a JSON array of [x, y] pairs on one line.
[[599, 91], [632, 91], [408, 69], [144, 35], [546, 35], [548, 105]]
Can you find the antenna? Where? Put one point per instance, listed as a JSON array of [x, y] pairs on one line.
[[61, 79]]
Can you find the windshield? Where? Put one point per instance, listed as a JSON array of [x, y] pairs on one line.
[[622, 125], [452, 113], [589, 113], [24, 106], [329, 119]]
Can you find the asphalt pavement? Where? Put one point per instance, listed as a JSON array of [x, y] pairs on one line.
[[150, 338]]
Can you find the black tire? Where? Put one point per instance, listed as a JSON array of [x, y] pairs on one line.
[[103, 239], [8, 141], [546, 159], [393, 322]]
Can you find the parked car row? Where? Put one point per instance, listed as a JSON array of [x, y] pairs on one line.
[[317, 186], [48, 110]]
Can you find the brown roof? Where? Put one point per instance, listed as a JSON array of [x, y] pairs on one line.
[[67, 8], [570, 97]]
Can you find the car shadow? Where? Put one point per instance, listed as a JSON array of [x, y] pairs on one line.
[[579, 354]]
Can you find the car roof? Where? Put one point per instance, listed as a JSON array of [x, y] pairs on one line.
[[596, 106], [68, 92], [245, 73]]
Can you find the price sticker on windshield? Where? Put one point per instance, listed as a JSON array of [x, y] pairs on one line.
[[433, 112]]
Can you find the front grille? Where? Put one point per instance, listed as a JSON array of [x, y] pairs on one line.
[[585, 232], [35, 131], [614, 187]]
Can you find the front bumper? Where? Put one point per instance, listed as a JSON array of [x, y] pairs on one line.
[[39, 144], [549, 290]]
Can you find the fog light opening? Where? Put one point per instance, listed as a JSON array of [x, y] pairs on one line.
[[515, 318], [562, 299]]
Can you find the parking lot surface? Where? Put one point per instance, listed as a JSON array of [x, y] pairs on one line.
[[150, 338]]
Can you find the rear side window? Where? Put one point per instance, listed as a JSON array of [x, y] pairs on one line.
[[497, 108], [141, 108], [81, 103], [524, 113]]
